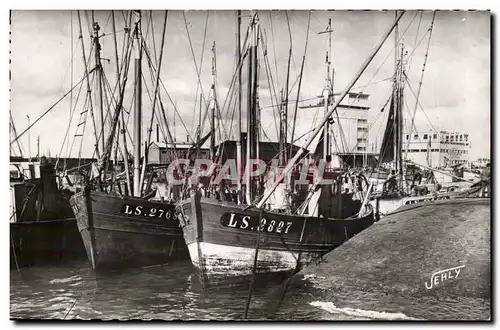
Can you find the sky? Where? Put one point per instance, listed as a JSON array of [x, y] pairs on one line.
[[455, 91]]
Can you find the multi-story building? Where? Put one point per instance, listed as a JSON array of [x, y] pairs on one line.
[[437, 149], [349, 130], [481, 162], [161, 152]]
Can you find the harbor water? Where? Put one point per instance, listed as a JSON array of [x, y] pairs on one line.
[[166, 292], [171, 292], [379, 274]]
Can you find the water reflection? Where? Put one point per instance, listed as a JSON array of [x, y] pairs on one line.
[[166, 292]]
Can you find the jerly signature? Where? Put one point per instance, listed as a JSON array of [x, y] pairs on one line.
[[443, 276]]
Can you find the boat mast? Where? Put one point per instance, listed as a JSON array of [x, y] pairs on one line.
[[138, 112], [251, 111], [98, 68], [282, 137], [396, 86], [212, 108], [318, 129], [400, 118], [156, 97], [238, 110], [326, 91], [284, 100], [121, 131]]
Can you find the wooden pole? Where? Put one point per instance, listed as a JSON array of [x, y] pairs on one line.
[[138, 108], [238, 111]]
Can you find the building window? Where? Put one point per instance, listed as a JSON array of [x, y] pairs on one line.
[[435, 136], [466, 137], [461, 138], [425, 136], [452, 138], [361, 148], [407, 136], [447, 138], [415, 137]]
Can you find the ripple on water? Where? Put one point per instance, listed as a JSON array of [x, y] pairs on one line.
[[66, 279]]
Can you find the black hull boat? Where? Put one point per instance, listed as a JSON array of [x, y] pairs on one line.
[[46, 241], [127, 232], [224, 239], [42, 228]]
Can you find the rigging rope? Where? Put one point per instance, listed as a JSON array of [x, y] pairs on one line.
[[50, 108], [418, 102], [233, 80], [201, 68], [72, 113], [416, 38], [274, 48], [385, 59], [270, 81], [156, 91], [168, 94], [197, 70], [421, 80], [300, 79]]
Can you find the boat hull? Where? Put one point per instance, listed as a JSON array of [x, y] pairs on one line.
[[389, 205], [222, 238], [126, 232], [47, 241]]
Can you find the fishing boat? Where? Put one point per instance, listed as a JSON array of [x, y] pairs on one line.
[[126, 228], [42, 226], [230, 242], [404, 188]]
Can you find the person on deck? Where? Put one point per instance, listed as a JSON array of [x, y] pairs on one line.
[[417, 177], [391, 183], [419, 190], [486, 181]]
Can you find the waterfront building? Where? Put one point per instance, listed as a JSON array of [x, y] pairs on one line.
[[437, 149]]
